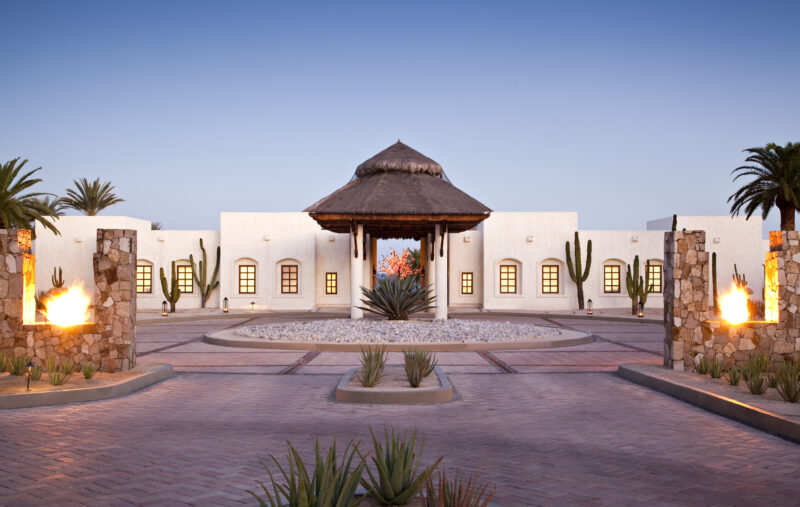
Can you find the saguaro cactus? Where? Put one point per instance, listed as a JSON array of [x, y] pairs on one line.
[[171, 293], [714, 281], [575, 272], [200, 275], [645, 287], [57, 278], [674, 223], [633, 283]]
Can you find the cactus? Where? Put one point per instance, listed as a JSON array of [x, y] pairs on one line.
[[172, 294], [633, 283], [57, 278], [645, 287], [575, 273], [200, 275], [674, 223], [739, 280], [714, 281]]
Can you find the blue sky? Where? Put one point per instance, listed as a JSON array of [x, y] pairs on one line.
[[622, 111]]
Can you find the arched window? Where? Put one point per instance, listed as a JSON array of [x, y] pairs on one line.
[[185, 279], [144, 277], [509, 277], [612, 276], [655, 275], [288, 275], [551, 281], [246, 272]]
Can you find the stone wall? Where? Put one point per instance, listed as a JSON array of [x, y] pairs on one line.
[[108, 342], [690, 336], [685, 296]]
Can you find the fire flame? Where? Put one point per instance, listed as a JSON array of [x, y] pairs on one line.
[[734, 305], [69, 308]]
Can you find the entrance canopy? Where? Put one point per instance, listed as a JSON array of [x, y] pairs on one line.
[[398, 193]]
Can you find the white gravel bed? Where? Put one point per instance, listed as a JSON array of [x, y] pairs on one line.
[[385, 331]]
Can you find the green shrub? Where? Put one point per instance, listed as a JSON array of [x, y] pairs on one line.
[[772, 379], [788, 381], [3, 360], [58, 377], [456, 493], [753, 372], [702, 366], [36, 373], [715, 368], [67, 366], [757, 363], [396, 465], [18, 365], [88, 370], [373, 364], [396, 298], [51, 365], [419, 364], [330, 484], [734, 375]]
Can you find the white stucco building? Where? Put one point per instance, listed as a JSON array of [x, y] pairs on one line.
[[499, 261]]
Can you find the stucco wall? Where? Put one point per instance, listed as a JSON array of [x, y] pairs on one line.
[[466, 255]]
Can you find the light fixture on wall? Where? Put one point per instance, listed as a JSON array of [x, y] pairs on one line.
[[634, 239], [467, 239], [225, 305], [589, 306], [641, 310], [530, 239], [164, 308]]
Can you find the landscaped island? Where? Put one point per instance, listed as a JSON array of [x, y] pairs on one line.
[[382, 331]]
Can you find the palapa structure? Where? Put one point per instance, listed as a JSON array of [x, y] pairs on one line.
[[399, 193]]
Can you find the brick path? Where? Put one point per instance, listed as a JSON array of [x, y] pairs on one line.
[[564, 430]]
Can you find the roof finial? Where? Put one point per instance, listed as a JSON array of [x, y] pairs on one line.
[[398, 139]]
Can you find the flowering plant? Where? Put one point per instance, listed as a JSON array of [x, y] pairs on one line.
[[401, 266]]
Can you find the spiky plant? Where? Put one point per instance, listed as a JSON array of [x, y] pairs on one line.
[[200, 275], [88, 370], [396, 480], [788, 381], [702, 366], [58, 377], [373, 363], [330, 483], [456, 492], [67, 366], [156, 226], [633, 284], [51, 364], [36, 372], [715, 368], [58, 277], [576, 274], [734, 375], [419, 364], [17, 365], [396, 298], [753, 372], [172, 293], [776, 172], [91, 197], [18, 205]]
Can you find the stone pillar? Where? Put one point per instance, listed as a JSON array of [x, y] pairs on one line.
[[685, 297], [441, 272], [15, 244], [785, 245], [356, 271], [115, 297]]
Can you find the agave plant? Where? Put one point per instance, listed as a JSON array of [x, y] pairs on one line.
[[456, 493], [373, 363], [88, 370], [788, 381], [419, 364], [330, 484], [36, 372], [734, 375], [396, 298], [716, 368], [396, 480], [753, 373], [58, 377], [17, 365]]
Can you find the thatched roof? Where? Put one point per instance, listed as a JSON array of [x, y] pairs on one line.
[[398, 193]]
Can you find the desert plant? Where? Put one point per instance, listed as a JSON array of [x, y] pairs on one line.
[[456, 493], [753, 372], [633, 283], [2, 362], [674, 223], [419, 364], [51, 364], [58, 278], [734, 375], [755, 308], [172, 293], [715, 368], [758, 362], [67, 366], [702, 366], [645, 286], [36, 372], [777, 183], [373, 363], [58, 377], [788, 381], [18, 209], [90, 197], [156, 226], [714, 282], [396, 466], [739, 280], [17, 365], [200, 275], [396, 298], [772, 379], [88, 370], [575, 273], [330, 484]]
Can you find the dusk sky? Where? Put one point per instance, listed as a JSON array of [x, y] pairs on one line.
[[621, 111]]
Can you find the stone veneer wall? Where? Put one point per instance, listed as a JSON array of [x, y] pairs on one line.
[[685, 296], [690, 336], [109, 342]]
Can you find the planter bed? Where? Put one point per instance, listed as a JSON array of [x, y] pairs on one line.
[[394, 389]]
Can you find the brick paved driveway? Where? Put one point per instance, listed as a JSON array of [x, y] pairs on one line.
[[562, 430]]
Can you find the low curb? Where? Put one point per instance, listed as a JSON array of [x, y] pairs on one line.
[[154, 373], [568, 338], [721, 405], [540, 315], [404, 396]]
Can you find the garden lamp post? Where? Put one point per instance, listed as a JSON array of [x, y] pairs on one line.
[[225, 305], [589, 306], [641, 310], [28, 369], [164, 308]]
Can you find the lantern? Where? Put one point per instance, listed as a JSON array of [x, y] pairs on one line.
[[589, 306], [225, 305], [164, 308], [641, 310], [28, 369]]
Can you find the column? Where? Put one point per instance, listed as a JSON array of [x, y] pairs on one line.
[[430, 265], [356, 271], [441, 272]]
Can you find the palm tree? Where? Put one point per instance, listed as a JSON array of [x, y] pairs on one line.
[[18, 209], [156, 226], [91, 197], [777, 183], [53, 203]]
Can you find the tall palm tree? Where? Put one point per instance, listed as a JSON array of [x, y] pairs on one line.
[[18, 209], [91, 197], [777, 183], [53, 203]]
